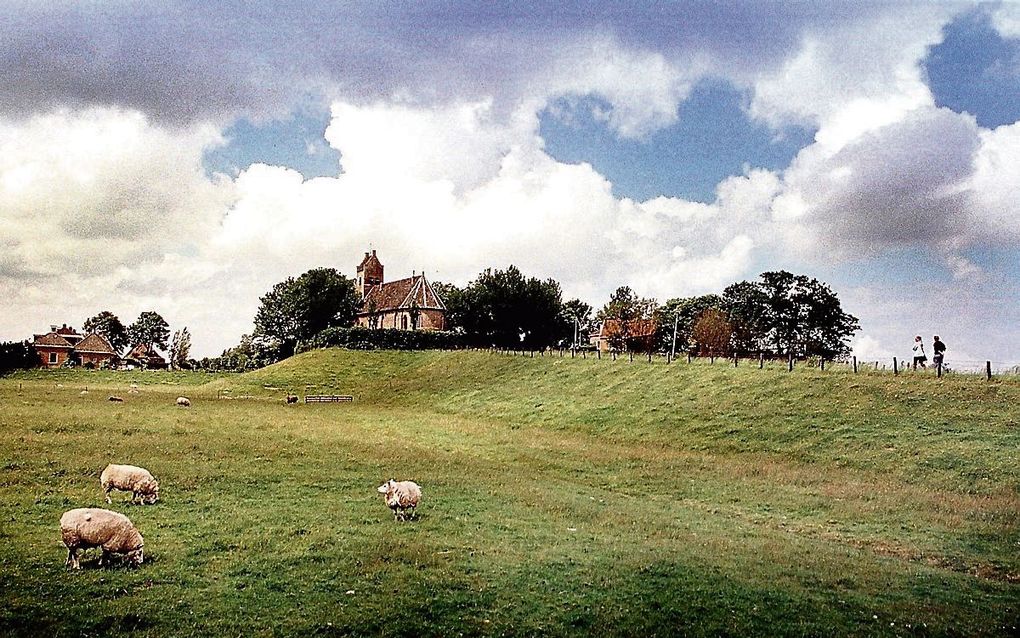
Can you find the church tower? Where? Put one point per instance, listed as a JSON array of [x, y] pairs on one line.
[[370, 273]]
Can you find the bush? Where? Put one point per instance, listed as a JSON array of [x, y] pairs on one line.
[[361, 338]]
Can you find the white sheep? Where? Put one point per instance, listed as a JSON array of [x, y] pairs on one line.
[[129, 478], [400, 496], [89, 527], [184, 402]]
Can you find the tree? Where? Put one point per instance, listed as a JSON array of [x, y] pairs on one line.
[[457, 302], [626, 308], [506, 309], [297, 309], [577, 321], [712, 333], [680, 314], [149, 329], [108, 325], [17, 354], [790, 314], [180, 348]]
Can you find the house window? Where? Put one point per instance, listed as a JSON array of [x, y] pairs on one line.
[[53, 357], [403, 322]]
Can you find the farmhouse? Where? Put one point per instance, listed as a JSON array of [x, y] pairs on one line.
[[60, 344], [636, 334], [145, 356], [404, 304]]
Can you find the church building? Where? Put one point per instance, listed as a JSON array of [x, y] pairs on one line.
[[405, 304]]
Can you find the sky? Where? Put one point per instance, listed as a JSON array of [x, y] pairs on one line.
[[184, 157]]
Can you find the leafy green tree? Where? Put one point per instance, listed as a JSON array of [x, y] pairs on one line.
[[506, 309], [108, 325], [458, 304], [180, 348], [297, 309], [577, 322], [789, 314], [149, 329], [15, 355]]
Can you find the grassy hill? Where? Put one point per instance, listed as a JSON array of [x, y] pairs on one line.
[[562, 497]]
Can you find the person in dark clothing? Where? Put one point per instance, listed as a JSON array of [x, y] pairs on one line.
[[938, 349]]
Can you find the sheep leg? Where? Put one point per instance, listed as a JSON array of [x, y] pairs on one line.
[[72, 558], [107, 490], [104, 559]]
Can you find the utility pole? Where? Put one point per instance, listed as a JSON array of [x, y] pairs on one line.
[[676, 320]]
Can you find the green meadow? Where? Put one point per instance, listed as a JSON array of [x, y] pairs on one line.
[[562, 497]]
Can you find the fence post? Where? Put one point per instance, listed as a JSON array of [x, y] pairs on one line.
[[823, 364], [711, 359], [855, 365], [895, 366], [761, 360], [988, 370], [571, 353], [584, 355], [614, 355], [632, 356], [649, 356], [598, 353], [734, 361], [791, 362], [688, 356]]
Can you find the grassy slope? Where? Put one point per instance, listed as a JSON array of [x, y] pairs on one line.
[[562, 496]]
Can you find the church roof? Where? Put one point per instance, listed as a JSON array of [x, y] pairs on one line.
[[403, 293], [369, 260]]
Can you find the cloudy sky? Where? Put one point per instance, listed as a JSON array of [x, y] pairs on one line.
[[183, 157]]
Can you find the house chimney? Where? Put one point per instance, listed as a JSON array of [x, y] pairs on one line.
[[366, 255], [53, 327], [373, 252]]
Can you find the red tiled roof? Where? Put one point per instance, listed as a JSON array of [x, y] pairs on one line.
[[143, 351], [95, 343], [402, 293], [369, 259], [52, 340], [634, 328]]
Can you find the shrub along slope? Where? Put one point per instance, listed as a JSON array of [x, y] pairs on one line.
[[561, 497]]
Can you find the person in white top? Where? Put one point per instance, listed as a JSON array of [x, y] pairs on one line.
[[919, 356]]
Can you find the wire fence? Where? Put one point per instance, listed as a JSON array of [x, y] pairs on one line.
[[894, 365]]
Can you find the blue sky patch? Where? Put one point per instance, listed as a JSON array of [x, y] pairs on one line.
[[297, 143], [975, 70], [713, 139]]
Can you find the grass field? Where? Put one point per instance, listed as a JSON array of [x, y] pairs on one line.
[[561, 497]]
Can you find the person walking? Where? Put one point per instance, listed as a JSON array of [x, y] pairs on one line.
[[919, 356], [938, 350]]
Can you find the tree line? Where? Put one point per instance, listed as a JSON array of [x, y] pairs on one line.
[[778, 314]]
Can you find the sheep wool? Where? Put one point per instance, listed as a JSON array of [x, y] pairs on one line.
[[401, 497], [184, 402], [89, 527], [128, 478]]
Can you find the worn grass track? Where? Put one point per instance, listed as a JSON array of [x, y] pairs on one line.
[[562, 497]]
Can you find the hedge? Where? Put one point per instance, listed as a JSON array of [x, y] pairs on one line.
[[361, 338]]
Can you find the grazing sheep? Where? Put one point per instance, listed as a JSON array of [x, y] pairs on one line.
[[137, 480], [184, 402], [291, 399], [116, 399], [400, 496], [89, 527]]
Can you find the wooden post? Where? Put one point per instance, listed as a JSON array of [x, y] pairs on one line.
[[761, 360], [823, 364], [571, 353], [598, 353], [688, 356], [988, 370], [649, 356], [734, 361], [895, 366], [712, 359], [791, 362], [614, 355], [584, 355], [632, 356], [855, 365]]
